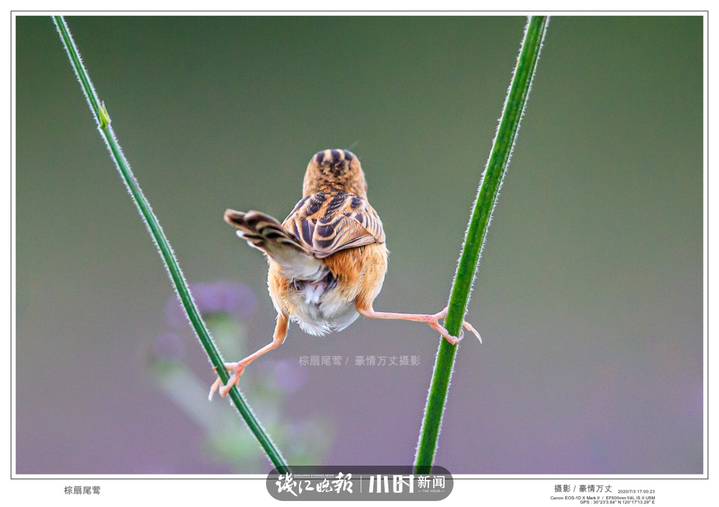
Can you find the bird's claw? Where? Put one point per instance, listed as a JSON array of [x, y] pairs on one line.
[[454, 340], [237, 369], [470, 328]]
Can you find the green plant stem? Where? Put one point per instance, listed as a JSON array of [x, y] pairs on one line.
[[476, 234], [183, 291]]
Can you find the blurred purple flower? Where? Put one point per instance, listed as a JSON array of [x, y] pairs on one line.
[[232, 298], [288, 375]]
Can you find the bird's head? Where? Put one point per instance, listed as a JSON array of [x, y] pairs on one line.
[[332, 170]]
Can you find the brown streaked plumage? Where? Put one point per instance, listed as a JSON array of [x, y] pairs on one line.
[[327, 260]]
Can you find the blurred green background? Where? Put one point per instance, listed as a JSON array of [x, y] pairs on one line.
[[589, 294]]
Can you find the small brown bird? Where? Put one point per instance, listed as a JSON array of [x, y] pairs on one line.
[[328, 259]]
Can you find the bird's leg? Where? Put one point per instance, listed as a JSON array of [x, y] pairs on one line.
[[238, 368], [433, 320]]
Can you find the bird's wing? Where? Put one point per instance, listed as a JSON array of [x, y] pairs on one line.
[[327, 222]]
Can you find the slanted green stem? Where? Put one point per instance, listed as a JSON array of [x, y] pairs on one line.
[[173, 268], [476, 234]]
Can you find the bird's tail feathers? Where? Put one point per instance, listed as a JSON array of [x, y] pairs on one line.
[[266, 234]]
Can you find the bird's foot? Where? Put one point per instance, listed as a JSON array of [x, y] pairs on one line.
[[237, 370], [454, 340]]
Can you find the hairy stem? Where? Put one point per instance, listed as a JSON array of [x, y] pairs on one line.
[[476, 234], [173, 268]]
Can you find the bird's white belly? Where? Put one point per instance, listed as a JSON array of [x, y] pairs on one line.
[[320, 311]]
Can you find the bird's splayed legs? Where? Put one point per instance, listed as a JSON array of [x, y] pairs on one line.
[[431, 319]]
